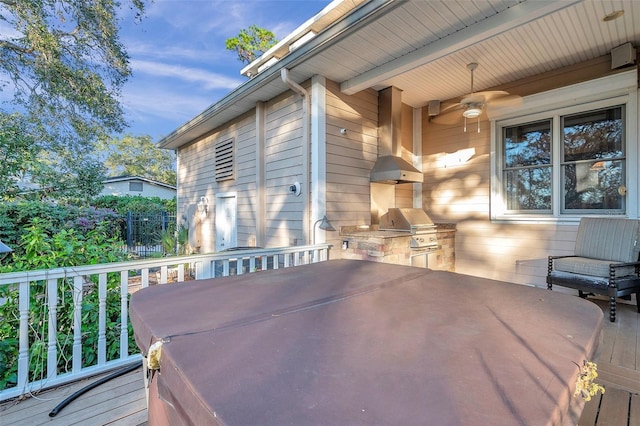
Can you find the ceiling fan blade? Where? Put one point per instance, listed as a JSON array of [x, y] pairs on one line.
[[483, 97], [507, 101]]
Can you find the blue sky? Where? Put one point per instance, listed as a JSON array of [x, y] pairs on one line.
[[178, 56]]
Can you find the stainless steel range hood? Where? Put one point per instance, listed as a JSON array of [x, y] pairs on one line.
[[390, 167]]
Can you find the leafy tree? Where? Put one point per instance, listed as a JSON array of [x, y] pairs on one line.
[[250, 43], [18, 152], [64, 66], [138, 156]]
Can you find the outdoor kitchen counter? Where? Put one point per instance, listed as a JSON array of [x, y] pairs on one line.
[[369, 243], [352, 342]]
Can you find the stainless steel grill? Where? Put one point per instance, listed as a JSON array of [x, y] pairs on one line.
[[414, 221]]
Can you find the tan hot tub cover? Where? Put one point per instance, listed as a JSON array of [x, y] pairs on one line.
[[361, 343]]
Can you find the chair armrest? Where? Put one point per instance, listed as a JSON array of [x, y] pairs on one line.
[[613, 266], [621, 265]]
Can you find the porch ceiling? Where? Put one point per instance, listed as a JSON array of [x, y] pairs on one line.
[[423, 46]]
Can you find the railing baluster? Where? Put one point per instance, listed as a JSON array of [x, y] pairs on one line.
[[124, 312], [163, 274], [52, 332], [181, 272], [102, 319], [23, 346], [145, 278], [76, 363]]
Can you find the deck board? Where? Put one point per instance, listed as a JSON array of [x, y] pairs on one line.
[[121, 401]]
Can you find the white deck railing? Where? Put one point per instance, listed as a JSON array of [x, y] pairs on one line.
[[144, 272]]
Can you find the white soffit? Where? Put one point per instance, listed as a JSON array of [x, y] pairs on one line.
[[481, 31]]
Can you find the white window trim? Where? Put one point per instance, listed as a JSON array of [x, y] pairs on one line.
[[617, 89]]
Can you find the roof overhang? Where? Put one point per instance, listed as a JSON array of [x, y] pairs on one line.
[[511, 43]]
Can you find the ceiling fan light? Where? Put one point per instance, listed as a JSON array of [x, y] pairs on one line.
[[472, 112]]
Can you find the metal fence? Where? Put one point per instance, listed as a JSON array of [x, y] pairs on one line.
[[143, 232]]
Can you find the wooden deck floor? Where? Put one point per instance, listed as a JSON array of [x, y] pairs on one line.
[[121, 401]]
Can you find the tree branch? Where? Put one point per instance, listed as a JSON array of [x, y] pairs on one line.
[[13, 46]]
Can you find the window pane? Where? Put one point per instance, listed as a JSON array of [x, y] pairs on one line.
[[528, 189], [593, 185], [528, 144], [594, 134]]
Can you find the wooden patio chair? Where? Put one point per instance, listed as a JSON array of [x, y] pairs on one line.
[[605, 261]]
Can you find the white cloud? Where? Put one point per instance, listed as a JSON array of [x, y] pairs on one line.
[[157, 113], [210, 80]]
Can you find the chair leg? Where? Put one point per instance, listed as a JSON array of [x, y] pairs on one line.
[[612, 309], [638, 301]]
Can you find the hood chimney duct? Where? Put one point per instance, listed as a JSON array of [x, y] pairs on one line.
[[390, 167]]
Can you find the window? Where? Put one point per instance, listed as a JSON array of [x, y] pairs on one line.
[[567, 153], [590, 156], [135, 186], [527, 167], [224, 160], [593, 161]]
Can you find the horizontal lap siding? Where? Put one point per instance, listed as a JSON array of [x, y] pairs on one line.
[[197, 178], [350, 157], [283, 167]]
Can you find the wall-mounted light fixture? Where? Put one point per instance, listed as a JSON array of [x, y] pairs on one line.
[[324, 225], [203, 205]]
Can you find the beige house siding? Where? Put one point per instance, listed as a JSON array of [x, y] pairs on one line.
[[197, 178], [284, 167], [350, 157], [457, 188]]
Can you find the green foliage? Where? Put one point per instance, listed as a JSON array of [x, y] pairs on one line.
[[175, 242], [250, 43], [64, 66], [138, 156], [40, 250], [17, 217], [18, 152], [134, 203]]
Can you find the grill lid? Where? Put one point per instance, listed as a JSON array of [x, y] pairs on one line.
[[405, 219]]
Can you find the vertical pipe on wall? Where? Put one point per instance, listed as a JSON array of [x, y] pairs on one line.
[[284, 73], [318, 154]]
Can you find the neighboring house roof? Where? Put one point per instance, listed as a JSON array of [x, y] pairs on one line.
[[137, 178], [423, 47]]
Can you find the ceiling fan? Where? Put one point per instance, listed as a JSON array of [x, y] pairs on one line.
[[473, 105]]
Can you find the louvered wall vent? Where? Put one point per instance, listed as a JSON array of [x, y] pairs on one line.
[[224, 160]]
